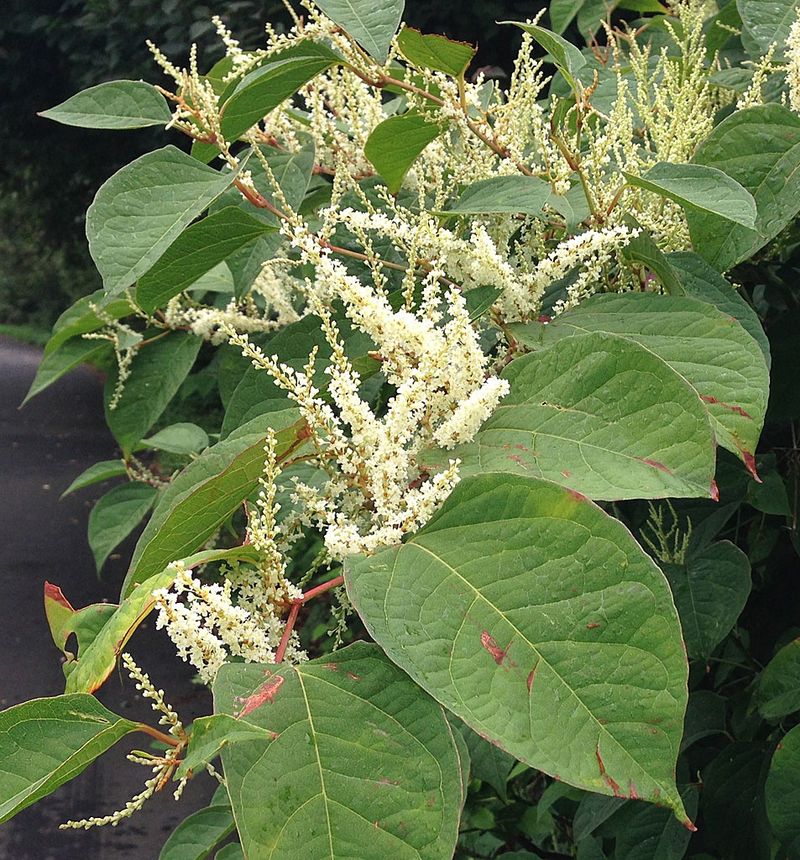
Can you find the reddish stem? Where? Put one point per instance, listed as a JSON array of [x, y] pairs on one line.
[[295, 611], [320, 589], [290, 622], [159, 736]]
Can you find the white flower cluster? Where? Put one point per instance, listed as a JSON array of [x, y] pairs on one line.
[[432, 358], [125, 342], [196, 110], [210, 622], [210, 323], [793, 65], [588, 253], [478, 261], [375, 489]]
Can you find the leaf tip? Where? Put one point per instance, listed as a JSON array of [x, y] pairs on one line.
[[54, 593], [750, 465]]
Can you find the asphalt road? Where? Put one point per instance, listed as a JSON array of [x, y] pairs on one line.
[[42, 448]]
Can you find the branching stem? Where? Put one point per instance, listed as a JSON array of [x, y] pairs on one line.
[[294, 611], [158, 735]]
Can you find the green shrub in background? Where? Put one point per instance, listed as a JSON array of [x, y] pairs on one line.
[[476, 547]]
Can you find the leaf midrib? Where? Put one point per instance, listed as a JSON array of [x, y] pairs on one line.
[[325, 799]]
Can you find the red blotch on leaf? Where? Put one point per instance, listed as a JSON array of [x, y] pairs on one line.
[[490, 645], [731, 406], [576, 495], [750, 465], [714, 491], [531, 677], [656, 465], [593, 625], [611, 783], [265, 693], [353, 677]]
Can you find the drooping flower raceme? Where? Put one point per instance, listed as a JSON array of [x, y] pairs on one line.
[[242, 615], [793, 65], [431, 356]]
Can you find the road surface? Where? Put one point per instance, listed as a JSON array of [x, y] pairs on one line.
[[42, 448]]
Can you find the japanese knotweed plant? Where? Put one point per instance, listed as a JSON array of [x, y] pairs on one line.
[[453, 325]]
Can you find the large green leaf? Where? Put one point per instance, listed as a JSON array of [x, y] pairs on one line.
[[782, 792], [264, 89], [536, 618], [156, 373], [760, 148], [206, 493], [565, 56], [430, 51], [82, 317], [765, 23], [197, 835], [710, 591], [502, 194], [140, 211], [394, 145], [706, 347], [363, 765], [702, 281], [67, 357], [699, 188], [195, 252], [182, 438], [95, 474], [778, 693], [371, 24], [114, 104], [46, 742], [598, 414], [116, 515]]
